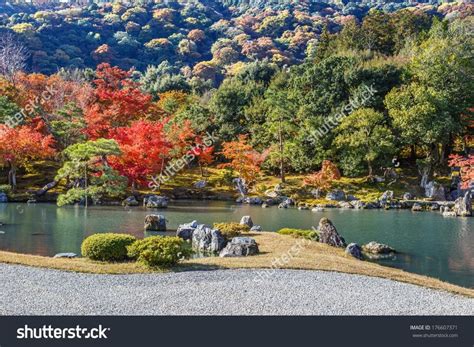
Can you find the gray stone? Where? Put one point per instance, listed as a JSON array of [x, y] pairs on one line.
[[351, 197], [345, 204], [329, 235], [336, 195], [434, 207], [200, 184], [155, 222], [354, 250], [463, 205], [3, 197], [282, 205], [246, 220], [359, 205], [206, 239], [386, 196], [31, 201], [155, 201], [256, 228], [417, 207], [317, 209], [377, 248], [130, 201], [185, 231], [303, 207], [253, 200], [66, 255], [316, 193], [408, 196], [240, 247], [265, 205]]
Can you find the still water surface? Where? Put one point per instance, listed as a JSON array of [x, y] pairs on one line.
[[428, 243]]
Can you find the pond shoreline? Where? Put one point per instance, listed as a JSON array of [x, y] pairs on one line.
[[315, 256]]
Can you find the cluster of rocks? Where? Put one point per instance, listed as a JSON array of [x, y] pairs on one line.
[[155, 222], [462, 206], [328, 234], [210, 240]]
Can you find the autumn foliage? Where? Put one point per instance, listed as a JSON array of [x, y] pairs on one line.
[[119, 101], [466, 166], [323, 178], [242, 158]]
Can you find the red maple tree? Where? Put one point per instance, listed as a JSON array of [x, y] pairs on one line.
[[466, 167]]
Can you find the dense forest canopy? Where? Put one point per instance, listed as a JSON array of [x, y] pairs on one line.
[[121, 93]]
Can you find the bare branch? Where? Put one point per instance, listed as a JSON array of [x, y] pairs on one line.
[[13, 56]]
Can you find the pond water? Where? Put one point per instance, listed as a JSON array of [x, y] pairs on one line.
[[428, 243]]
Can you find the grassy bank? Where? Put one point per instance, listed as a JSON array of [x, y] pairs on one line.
[[289, 252]]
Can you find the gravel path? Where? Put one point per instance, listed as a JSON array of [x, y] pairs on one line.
[[25, 290]]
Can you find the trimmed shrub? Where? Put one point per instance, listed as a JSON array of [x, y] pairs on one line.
[[5, 188], [301, 233], [230, 230], [107, 247], [159, 251]]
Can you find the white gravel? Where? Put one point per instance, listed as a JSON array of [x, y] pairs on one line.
[[34, 291]]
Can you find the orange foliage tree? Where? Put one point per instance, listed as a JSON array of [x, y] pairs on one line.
[[119, 101], [242, 158], [323, 178], [21, 145], [466, 167]]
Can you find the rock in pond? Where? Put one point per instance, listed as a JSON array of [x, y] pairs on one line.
[[246, 220], [336, 195], [265, 205], [130, 201], [317, 209], [240, 247], [345, 204], [377, 248], [358, 205], [66, 255], [417, 207], [329, 235], [208, 240], [155, 222], [3, 197], [255, 200], [256, 228], [303, 207], [463, 205], [354, 250], [185, 231], [155, 201]]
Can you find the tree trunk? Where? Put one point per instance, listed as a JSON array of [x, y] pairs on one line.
[[201, 169], [413, 152], [282, 164], [369, 165], [12, 177]]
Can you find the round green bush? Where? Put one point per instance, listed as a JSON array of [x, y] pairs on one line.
[[159, 251], [107, 247]]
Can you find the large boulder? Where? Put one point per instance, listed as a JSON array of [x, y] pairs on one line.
[[377, 248], [329, 235], [130, 201], [240, 247], [359, 205], [155, 222], [386, 196], [435, 191], [208, 240], [3, 197], [185, 231], [463, 205], [155, 201], [336, 195], [246, 220], [354, 250]]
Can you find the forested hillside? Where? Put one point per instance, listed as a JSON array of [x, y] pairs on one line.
[[129, 93]]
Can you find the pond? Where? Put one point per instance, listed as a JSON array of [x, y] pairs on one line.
[[428, 243]]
